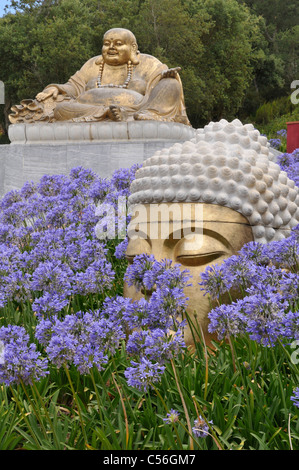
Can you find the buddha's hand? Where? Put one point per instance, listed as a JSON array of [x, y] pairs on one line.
[[51, 91], [171, 73]]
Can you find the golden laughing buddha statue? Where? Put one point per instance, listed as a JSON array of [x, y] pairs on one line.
[[121, 84]]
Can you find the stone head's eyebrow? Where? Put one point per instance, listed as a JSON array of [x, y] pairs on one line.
[[206, 232]]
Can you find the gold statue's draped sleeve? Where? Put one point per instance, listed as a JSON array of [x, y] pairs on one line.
[[76, 85]]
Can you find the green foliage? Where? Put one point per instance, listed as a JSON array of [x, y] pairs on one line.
[[234, 54], [278, 66], [41, 46], [229, 52], [212, 41], [280, 15], [236, 386], [288, 50], [270, 129], [274, 109]]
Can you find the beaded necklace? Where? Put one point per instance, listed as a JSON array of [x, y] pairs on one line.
[[111, 85]]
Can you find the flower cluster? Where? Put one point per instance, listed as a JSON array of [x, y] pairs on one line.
[[52, 258], [172, 417], [295, 397], [289, 162], [262, 283], [144, 373], [20, 361], [282, 133], [157, 318], [162, 285], [201, 428], [275, 143], [83, 339], [86, 339], [49, 249]]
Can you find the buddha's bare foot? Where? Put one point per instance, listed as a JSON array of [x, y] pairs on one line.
[[148, 116], [115, 113]]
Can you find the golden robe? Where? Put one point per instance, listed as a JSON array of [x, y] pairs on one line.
[[147, 92]]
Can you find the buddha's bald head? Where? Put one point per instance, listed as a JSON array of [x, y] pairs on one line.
[[123, 32], [229, 165]]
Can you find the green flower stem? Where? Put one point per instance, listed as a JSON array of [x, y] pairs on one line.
[[35, 410], [126, 396], [184, 405], [242, 378], [207, 364], [280, 384], [25, 418], [77, 403], [46, 414], [124, 410], [212, 432], [167, 411], [97, 395]]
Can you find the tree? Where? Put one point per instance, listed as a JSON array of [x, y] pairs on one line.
[[279, 15], [213, 41], [230, 49], [278, 66], [41, 43]]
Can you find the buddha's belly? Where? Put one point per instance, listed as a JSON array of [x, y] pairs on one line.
[[108, 96]]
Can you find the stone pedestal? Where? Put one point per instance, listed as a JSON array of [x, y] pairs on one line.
[[56, 148]]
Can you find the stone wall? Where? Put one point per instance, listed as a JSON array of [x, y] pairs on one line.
[[39, 149]]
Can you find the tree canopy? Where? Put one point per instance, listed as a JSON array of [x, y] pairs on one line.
[[228, 50]]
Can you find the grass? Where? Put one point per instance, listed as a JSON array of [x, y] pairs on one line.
[[243, 388]]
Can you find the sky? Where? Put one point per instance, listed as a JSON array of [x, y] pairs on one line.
[[2, 5]]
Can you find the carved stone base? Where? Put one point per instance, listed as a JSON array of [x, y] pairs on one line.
[[39, 149], [77, 132]]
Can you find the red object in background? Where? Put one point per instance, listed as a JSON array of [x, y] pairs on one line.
[[292, 136]]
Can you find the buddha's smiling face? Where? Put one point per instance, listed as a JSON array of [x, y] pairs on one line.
[[118, 46], [195, 235]]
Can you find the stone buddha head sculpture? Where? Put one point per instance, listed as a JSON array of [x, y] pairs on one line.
[[199, 202]]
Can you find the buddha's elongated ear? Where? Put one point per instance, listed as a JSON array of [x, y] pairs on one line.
[[134, 54]]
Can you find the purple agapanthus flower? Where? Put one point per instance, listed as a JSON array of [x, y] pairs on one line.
[[83, 339], [227, 320], [295, 397], [47, 231], [275, 143], [21, 362], [201, 428], [155, 344], [143, 374], [289, 162], [172, 417], [214, 282]]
